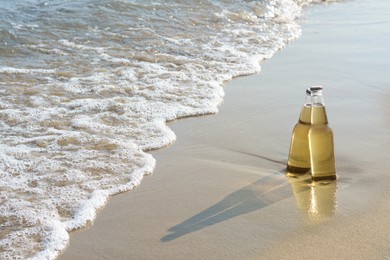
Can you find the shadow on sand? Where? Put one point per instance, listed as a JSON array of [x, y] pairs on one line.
[[255, 196], [316, 200]]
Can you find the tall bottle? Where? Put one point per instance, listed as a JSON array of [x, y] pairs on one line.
[[299, 156], [320, 140]]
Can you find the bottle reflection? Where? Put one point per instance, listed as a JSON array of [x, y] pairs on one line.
[[316, 199]]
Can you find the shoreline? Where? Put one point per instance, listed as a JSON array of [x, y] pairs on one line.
[[220, 190]]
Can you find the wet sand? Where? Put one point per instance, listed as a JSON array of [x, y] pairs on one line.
[[220, 192]]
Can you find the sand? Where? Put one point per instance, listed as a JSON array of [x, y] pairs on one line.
[[220, 192]]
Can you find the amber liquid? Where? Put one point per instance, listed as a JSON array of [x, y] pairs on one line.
[[321, 146], [299, 156]]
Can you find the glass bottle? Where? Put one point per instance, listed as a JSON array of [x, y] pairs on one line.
[[299, 155], [320, 140]]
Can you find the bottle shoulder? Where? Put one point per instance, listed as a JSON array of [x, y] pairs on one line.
[[321, 129], [305, 116], [318, 115]]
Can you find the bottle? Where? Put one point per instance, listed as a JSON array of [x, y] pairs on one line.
[[299, 156], [321, 144]]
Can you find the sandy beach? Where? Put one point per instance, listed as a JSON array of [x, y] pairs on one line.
[[221, 192]]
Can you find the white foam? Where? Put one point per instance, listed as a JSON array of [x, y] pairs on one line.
[[10, 70], [71, 44]]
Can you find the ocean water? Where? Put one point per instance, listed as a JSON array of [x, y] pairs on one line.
[[87, 87]]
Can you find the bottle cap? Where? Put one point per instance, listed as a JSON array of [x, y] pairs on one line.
[[314, 90]]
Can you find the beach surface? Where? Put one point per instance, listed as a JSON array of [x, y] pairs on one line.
[[221, 191]]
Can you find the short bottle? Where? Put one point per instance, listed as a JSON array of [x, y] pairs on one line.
[[321, 143], [299, 155]]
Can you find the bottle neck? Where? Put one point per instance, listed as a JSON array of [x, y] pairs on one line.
[[318, 113], [305, 116], [317, 100]]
